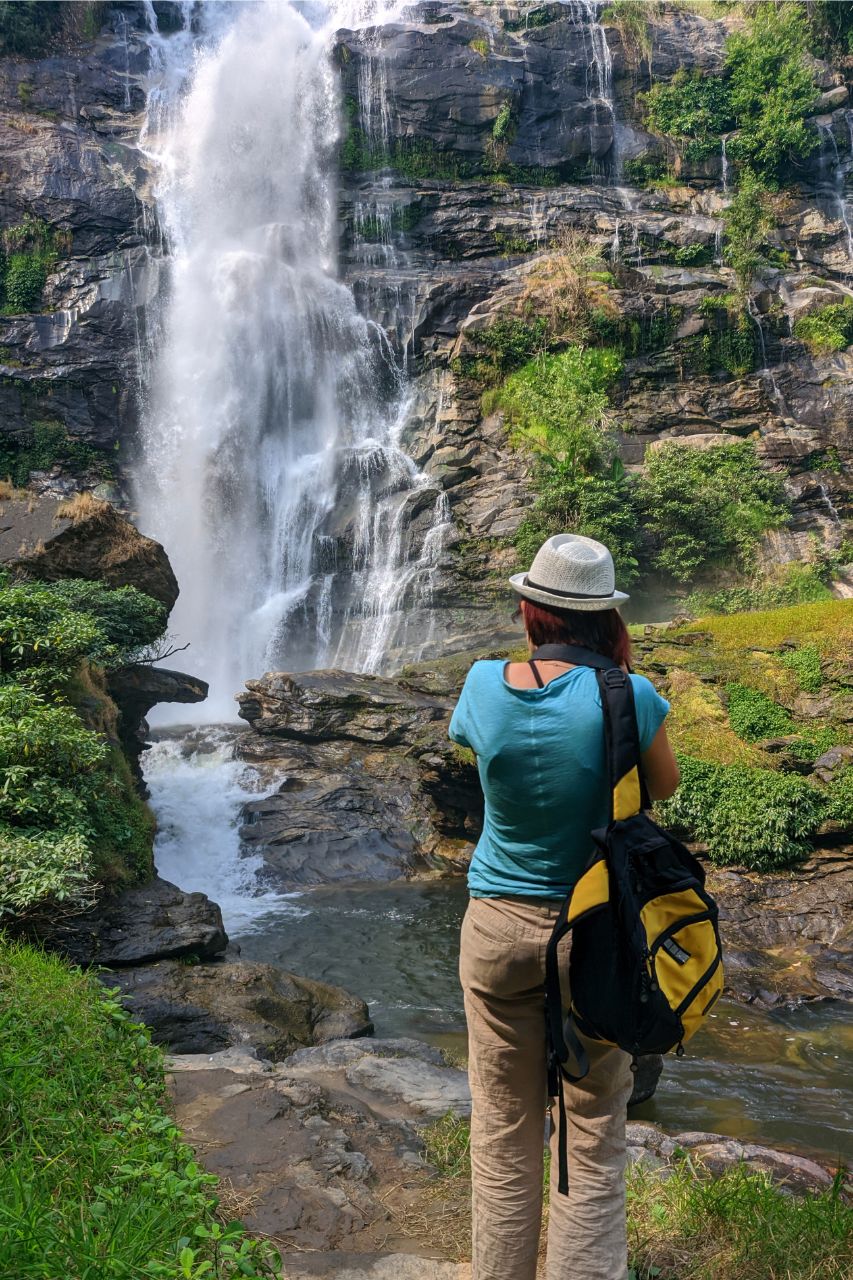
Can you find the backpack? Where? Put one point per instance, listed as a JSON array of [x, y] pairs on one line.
[[646, 962]]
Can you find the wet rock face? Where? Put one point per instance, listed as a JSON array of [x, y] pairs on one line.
[[68, 128], [364, 783], [203, 1008], [141, 925], [451, 81]]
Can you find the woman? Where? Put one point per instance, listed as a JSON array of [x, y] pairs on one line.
[[538, 734]]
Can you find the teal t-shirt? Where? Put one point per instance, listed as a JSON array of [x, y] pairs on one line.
[[540, 754]]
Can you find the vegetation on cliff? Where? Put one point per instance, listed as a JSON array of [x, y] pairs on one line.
[[756, 700], [98, 1181], [70, 816]]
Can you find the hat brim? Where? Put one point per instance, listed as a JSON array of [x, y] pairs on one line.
[[585, 604]]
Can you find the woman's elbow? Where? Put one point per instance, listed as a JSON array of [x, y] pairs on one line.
[[665, 784]]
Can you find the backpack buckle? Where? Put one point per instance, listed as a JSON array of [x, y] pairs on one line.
[[614, 676]]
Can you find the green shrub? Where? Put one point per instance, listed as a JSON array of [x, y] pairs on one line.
[[510, 341], [805, 662], [647, 170], [771, 90], [559, 406], [753, 715], [46, 629], [97, 1179], [757, 818], [632, 19], [29, 250], [702, 507], [692, 109], [46, 444], [840, 798], [597, 505], [793, 584], [746, 224], [828, 329]]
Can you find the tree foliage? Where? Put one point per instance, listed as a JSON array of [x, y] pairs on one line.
[[771, 90], [703, 507]]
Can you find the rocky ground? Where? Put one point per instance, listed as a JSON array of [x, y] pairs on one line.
[[322, 1153]]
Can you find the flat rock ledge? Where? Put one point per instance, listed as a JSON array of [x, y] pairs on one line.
[[322, 1151]]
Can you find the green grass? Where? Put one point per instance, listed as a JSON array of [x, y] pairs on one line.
[[690, 1225], [97, 1181]]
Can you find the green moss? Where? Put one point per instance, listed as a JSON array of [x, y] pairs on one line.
[[753, 715], [828, 329], [479, 46], [805, 662]]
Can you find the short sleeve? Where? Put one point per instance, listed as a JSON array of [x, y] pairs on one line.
[[459, 726], [651, 710]]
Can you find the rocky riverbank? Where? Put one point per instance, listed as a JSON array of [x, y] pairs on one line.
[[324, 1152]]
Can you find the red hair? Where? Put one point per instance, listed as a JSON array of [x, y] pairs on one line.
[[601, 630]]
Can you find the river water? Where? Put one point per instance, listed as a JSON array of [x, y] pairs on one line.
[[782, 1078]]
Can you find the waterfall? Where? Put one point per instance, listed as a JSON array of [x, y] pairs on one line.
[[271, 463], [833, 176], [724, 165], [585, 15]]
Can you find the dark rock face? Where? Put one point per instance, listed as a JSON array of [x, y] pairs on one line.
[[788, 937], [68, 130], [202, 1008], [146, 923], [448, 82], [367, 784], [83, 538], [318, 706], [135, 690]]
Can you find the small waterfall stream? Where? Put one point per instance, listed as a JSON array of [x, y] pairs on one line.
[[272, 469]]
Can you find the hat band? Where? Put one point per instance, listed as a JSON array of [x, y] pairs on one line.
[[569, 595]]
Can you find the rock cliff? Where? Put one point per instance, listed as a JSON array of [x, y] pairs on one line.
[[474, 138]]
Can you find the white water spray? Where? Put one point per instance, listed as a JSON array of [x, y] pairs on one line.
[[272, 469]]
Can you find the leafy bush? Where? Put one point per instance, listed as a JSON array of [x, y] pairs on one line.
[[757, 818], [705, 506], [97, 1178], [69, 810], [771, 90], [558, 405], [511, 341], [754, 716], [791, 585], [840, 798], [828, 329], [746, 225], [729, 343], [597, 505], [805, 662], [47, 628], [693, 109]]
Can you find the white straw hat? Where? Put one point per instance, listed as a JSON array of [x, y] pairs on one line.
[[570, 572]]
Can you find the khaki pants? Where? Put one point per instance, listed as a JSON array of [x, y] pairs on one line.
[[502, 968]]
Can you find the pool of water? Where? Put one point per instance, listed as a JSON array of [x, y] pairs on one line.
[[781, 1078]]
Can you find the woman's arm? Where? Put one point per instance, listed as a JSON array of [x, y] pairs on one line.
[[660, 767]]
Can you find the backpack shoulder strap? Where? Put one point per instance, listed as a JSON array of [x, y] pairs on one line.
[[576, 654], [622, 743]]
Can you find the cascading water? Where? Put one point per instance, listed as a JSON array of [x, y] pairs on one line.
[[833, 175], [271, 469]]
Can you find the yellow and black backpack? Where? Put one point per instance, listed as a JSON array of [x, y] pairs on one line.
[[646, 964]]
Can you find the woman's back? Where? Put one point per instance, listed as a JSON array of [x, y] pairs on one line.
[[540, 755]]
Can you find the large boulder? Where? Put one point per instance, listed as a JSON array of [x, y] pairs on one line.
[[203, 1008], [155, 921], [82, 538], [318, 706]]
